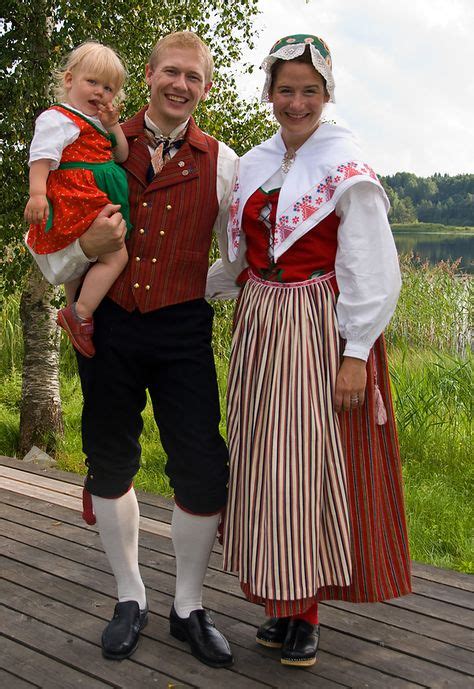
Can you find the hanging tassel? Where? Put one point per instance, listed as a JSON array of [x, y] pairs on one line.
[[380, 411], [87, 508]]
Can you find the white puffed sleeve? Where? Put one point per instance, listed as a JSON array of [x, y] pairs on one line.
[[53, 132], [367, 270], [221, 277]]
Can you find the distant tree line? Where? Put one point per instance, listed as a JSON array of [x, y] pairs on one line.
[[437, 199]]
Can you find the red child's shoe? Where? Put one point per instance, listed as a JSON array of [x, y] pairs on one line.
[[79, 330]]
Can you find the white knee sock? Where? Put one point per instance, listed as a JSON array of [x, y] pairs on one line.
[[193, 537], [117, 520]]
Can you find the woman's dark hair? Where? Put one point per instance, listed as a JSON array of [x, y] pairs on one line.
[[304, 58]]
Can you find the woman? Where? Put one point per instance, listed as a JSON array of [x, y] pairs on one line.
[[315, 507]]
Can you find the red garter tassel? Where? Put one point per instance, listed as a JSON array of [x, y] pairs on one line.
[[87, 509]]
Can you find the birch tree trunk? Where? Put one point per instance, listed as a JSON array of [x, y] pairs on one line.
[[40, 414]]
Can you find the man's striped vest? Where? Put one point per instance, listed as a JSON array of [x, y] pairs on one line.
[[172, 218]]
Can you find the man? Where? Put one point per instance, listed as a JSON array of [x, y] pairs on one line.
[[154, 332]]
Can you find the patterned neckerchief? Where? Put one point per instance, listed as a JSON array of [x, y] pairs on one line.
[[163, 145]]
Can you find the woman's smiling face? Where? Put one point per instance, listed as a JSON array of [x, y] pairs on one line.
[[298, 95]]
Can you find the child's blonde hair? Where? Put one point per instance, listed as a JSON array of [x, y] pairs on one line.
[[187, 40], [96, 59]]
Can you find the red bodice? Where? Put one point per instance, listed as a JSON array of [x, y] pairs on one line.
[[311, 255]]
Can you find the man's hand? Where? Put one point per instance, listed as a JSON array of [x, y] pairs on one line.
[[37, 209], [350, 384], [106, 234]]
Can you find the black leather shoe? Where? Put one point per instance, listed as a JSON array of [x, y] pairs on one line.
[[120, 637], [206, 642], [272, 632], [300, 644]]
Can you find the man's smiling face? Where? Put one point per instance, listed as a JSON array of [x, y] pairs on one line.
[[177, 84]]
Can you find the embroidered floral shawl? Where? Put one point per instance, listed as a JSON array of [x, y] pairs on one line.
[[327, 164]]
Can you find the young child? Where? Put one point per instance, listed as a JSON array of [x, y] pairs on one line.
[[73, 175]]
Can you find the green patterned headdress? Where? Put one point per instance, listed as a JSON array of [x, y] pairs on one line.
[[293, 46]]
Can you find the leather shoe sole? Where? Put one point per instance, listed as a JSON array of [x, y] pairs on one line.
[[207, 644], [120, 637], [300, 645]]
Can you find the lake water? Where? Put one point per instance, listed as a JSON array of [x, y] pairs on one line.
[[438, 247]]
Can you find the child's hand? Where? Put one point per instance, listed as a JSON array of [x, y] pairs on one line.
[[37, 209], [109, 115]]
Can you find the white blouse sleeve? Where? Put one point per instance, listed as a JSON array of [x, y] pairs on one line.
[[222, 275], [367, 270], [53, 132]]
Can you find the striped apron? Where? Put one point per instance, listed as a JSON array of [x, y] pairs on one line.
[[304, 520]]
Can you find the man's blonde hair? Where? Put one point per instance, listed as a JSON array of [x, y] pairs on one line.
[[187, 40], [95, 59]]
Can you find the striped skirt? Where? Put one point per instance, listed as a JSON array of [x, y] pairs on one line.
[[315, 507]]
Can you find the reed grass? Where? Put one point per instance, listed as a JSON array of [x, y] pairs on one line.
[[433, 405], [435, 308]]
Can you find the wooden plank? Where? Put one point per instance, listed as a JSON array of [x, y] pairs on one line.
[[219, 582], [41, 481], [165, 562], [340, 669], [420, 570], [449, 577], [82, 655], [441, 592], [383, 660], [436, 610], [37, 669], [13, 681], [53, 497], [414, 645], [32, 468], [151, 558], [152, 499], [409, 620], [168, 654], [248, 663]]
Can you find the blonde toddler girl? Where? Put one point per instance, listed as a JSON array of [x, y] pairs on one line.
[[74, 174]]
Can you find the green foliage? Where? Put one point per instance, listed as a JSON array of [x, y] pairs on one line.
[[434, 309], [36, 34], [434, 228], [436, 199], [433, 404]]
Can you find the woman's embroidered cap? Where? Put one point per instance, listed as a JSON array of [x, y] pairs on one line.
[[289, 47]]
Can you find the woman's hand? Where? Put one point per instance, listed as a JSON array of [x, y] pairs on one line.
[[350, 384], [37, 209]]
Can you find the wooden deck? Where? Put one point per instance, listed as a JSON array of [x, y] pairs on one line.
[[56, 594]]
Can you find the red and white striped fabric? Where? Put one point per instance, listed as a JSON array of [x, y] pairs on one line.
[[315, 506]]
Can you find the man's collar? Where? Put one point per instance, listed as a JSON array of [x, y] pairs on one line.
[[194, 136], [150, 125]]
